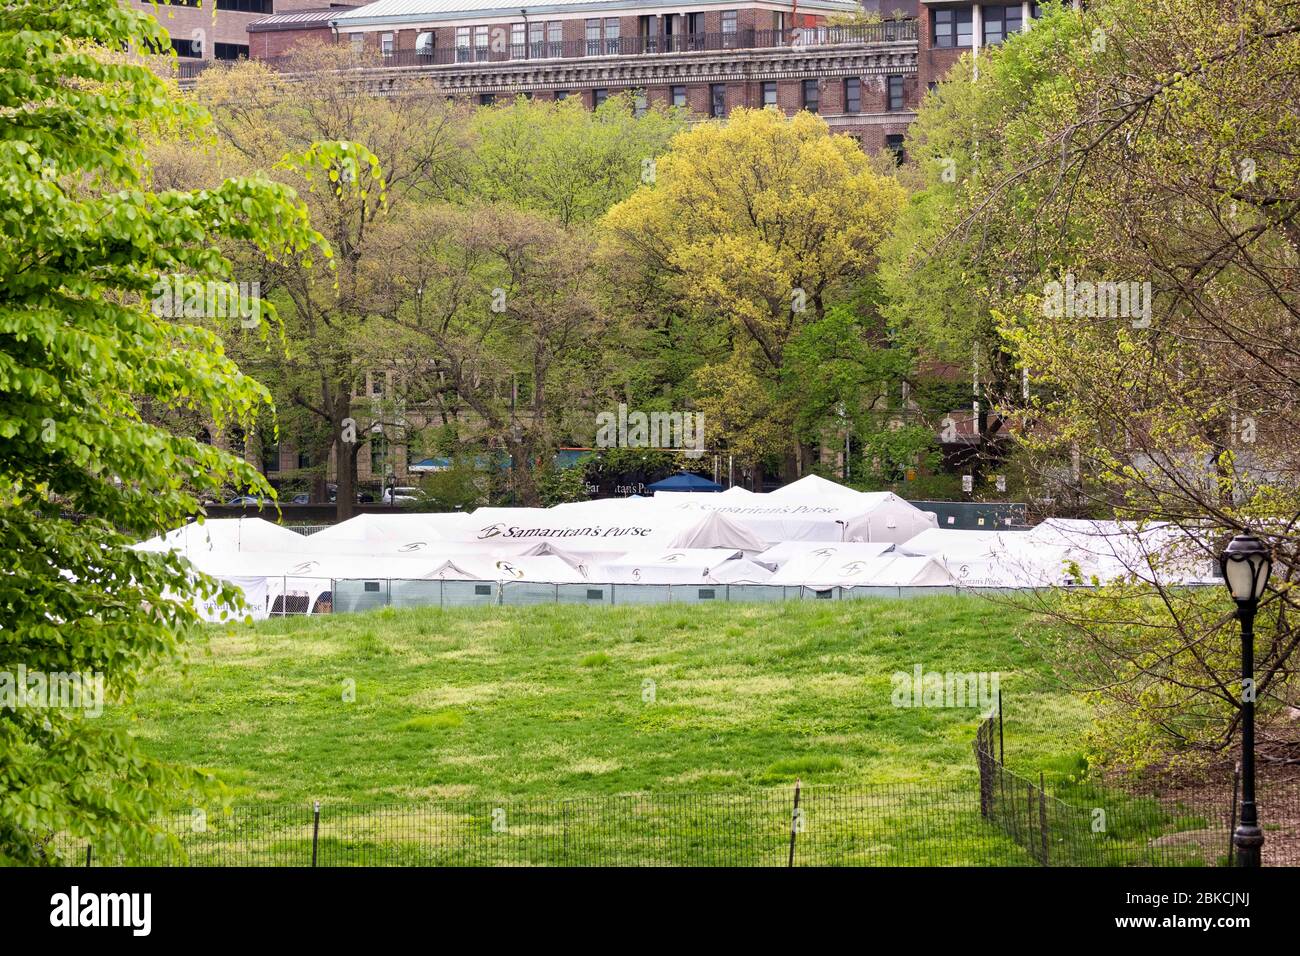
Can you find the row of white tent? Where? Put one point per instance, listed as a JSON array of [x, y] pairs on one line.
[[812, 533]]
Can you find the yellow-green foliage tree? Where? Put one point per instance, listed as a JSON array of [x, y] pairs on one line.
[[758, 225]]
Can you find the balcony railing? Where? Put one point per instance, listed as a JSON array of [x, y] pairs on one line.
[[890, 31]]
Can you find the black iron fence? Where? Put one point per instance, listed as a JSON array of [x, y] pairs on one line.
[[1088, 825], [1007, 820], [889, 31], [905, 825]]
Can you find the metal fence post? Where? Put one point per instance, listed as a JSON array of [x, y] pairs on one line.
[[315, 831], [794, 820], [1002, 754], [1042, 815], [87, 854], [1232, 813]]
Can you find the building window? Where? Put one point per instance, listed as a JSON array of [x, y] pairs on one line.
[[480, 43], [853, 95], [487, 99], [424, 44], [358, 43], [593, 37], [462, 44], [554, 37], [386, 44], [518, 41], [245, 6], [378, 454], [811, 96], [537, 39], [640, 105], [728, 28], [718, 99], [895, 92], [951, 28], [611, 35], [894, 143], [561, 95], [679, 96], [769, 93], [190, 49], [598, 97], [1000, 23], [230, 51]]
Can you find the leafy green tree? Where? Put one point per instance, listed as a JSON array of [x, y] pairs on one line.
[[757, 225], [330, 347], [563, 160], [1128, 237], [84, 246]]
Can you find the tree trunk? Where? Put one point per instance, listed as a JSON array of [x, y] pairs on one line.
[[345, 465], [522, 479]]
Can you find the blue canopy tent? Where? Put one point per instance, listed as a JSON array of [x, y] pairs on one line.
[[685, 481]]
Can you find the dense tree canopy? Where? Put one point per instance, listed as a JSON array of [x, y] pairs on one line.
[[84, 244], [757, 225], [1121, 230]]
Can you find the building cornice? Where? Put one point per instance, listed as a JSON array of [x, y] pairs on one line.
[[663, 70]]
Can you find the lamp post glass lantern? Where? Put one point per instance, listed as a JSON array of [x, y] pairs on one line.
[[1246, 565]]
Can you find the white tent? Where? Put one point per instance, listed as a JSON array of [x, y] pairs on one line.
[[886, 570], [807, 511], [401, 532], [739, 571], [779, 555], [225, 535], [993, 559], [1153, 552], [669, 566], [716, 530], [814, 488]]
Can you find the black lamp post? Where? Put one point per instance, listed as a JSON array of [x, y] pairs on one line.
[[1246, 564]]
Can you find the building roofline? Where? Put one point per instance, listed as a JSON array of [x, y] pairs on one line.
[[358, 18]]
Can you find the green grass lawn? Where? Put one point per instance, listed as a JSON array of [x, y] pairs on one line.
[[625, 735], [552, 701]]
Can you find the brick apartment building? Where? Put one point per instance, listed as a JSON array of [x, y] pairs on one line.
[[218, 29]]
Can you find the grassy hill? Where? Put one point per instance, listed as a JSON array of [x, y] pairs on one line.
[[485, 703]]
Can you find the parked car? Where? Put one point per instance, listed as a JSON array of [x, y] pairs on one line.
[[248, 500], [401, 495], [363, 497], [300, 499]]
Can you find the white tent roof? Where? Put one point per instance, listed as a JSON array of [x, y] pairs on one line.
[[716, 530], [225, 534], [886, 570], [779, 555], [665, 566], [950, 541], [814, 488], [387, 533], [739, 571]]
